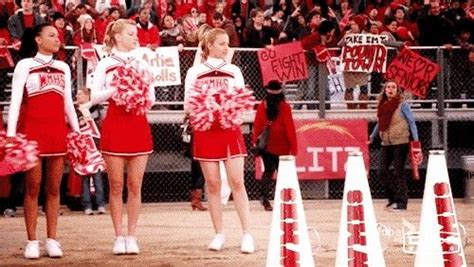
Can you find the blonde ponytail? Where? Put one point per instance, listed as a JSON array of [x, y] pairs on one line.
[[113, 28]]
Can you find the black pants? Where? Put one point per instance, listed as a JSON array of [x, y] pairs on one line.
[[197, 178], [270, 162], [396, 188]]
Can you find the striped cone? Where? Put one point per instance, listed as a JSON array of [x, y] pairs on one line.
[[439, 242], [289, 243], [358, 243]]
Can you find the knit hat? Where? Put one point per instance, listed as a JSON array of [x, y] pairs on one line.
[[83, 18], [274, 87]]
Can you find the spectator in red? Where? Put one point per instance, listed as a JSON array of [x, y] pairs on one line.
[[26, 18], [218, 21], [202, 18], [87, 32], [373, 17], [64, 34], [79, 10], [183, 7], [101, 24], [195, 16], [274, 112], [4, 15], [148, 34], [381, 7]]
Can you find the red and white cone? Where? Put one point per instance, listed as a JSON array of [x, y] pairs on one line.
[[439, 242], [358, 242], [289, 243]]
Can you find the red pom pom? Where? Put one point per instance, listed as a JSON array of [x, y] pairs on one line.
[[83, 155], [19, 154], [132, 83], [209, 104]]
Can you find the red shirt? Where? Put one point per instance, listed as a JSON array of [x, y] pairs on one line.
[[151, 35], [282, 139], [28, 21]]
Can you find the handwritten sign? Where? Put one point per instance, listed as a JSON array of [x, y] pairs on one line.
[[285, 63], [164, 63], [364, 53], [412, 72]]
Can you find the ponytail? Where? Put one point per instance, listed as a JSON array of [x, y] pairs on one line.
[[29, 47], [112, 29]]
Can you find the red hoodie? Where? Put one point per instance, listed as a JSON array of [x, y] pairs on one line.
[[147, 36]]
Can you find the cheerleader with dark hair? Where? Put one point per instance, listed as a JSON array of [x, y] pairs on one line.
[[274, 112], [41, 90]]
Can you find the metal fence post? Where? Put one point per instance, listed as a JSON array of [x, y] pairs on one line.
[[441, 109], [323, 86], [80, 75]]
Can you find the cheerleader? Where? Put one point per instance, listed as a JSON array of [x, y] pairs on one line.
[[125, 136], [41, 89], [217, 144]]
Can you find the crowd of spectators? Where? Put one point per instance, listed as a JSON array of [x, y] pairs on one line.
[[249, 23]]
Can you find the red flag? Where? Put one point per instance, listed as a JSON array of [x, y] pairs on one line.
[[416, 157]]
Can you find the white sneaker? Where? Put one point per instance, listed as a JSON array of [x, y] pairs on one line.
[[217, 243], [101, 210], [9, 213], [119, 246], [88, 212], [53, 248], [132, 245], [32, 250], [247, 246]]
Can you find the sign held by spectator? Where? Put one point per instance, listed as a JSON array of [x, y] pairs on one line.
[[164, 63], [412, 72], [364, 53], [285, 63]]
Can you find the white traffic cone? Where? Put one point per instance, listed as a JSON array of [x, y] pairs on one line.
[[289, 243], [225, 188], [358, 243], [439, 241]]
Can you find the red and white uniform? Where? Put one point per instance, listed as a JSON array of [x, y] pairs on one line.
[[41, 90], [122, 133], [216, 144]]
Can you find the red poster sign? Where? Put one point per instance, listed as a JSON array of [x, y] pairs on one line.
[[285, 63], [324, 145], [412, 72]]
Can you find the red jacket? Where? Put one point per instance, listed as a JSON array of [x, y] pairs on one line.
[[282, 139], [147, 36]]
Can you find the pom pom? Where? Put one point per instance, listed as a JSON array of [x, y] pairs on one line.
[[210, 104], [19, 154], [132, 85], [83, 155]]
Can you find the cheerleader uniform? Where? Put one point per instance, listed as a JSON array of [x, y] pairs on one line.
[[122, 133], [41, 100], [216, 144]]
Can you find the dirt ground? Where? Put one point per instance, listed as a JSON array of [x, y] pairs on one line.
[[170, 234]]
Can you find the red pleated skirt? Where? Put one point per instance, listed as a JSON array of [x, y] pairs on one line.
[[218, 144], [124, 133], [43, 119]]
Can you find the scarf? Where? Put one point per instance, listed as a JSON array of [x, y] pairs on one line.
[[385, 112]]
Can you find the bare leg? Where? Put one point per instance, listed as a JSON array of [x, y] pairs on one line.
[[135, 170], [210, 169], [235, 174], [33, 183], [115, 169], [54, 173]]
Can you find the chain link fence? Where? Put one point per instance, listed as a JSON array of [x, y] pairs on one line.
[[445, 120]]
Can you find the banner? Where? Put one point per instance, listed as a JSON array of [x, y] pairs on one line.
[[412, 72], [285, 63], [324, 146], [164, 63], [364, 53]]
